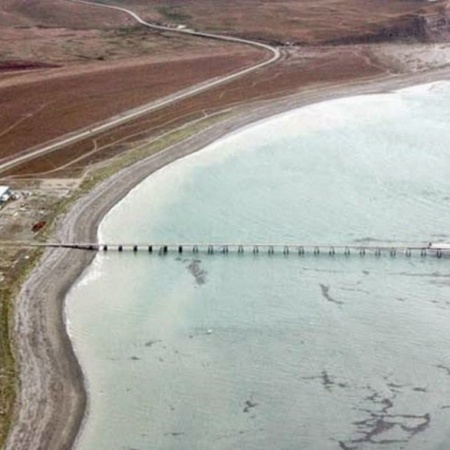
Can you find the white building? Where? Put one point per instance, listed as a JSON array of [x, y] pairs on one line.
[[5, 194]]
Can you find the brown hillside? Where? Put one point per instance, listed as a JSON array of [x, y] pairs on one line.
[[306, 21]]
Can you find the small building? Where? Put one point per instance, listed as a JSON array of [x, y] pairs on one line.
[[5, 194]]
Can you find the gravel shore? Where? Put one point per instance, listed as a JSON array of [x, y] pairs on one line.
[[52, 398]]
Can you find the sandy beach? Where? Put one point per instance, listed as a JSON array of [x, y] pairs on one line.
[[52, 398]]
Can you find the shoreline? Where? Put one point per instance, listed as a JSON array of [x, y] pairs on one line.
[[52, 397]]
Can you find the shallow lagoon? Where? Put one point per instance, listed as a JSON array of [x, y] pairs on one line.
[[251, 351]]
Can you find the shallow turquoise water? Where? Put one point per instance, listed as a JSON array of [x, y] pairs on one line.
[[231, 351]]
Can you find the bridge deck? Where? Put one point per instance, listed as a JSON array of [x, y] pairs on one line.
[[256, 248]]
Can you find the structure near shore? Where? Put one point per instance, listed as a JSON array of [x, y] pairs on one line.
[[5, 194], [438, 250]]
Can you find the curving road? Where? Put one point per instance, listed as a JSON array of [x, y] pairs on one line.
[[132, 114]]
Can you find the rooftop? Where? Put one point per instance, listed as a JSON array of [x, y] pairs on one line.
[[4, 190]]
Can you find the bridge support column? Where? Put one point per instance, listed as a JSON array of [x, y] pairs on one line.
[[423, 252], [301, 251], [331, 251], [316, 250], [270, 250], [210, 249], [378, 252], [286, 250], [120, 248], [150, 248], [362, 251], [408, 253], [241, 249], [195, 249], [135, 248], [225, 249], [439, 253], [105, 248], [393, 252], [255, 250], [180, 249], [347, 251]]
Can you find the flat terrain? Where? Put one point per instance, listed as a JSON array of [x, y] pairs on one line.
[[68, 103], [42, 106], [72, 47], [57, 14]]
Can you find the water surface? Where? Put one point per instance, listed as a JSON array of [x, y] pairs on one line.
[[287, 352]]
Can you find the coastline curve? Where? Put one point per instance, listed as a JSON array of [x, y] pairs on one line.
[[52, 397]]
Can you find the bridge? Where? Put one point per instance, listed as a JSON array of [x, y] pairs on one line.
[[437, 250]]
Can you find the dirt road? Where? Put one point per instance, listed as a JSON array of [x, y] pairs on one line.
[[153, 106]]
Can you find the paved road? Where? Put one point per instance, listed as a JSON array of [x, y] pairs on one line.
[[132, 114]]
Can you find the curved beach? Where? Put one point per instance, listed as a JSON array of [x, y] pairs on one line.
[[52, 397]]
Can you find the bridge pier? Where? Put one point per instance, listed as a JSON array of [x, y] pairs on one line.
[[331, 250]]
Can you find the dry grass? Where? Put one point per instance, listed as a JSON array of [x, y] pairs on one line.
[[299, 70], [306, 21], [47, 107]]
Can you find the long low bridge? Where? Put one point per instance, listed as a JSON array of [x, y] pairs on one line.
[[438, 250]]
